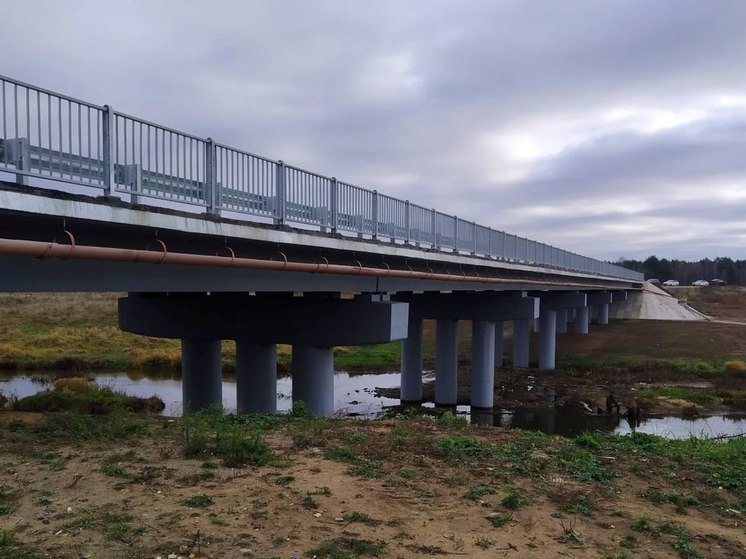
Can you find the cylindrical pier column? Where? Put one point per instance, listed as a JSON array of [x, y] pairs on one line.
[[482, 364], [446, 362], [411, 363], [313, 378], [201, 374], [603, 313], [535, 325], [521, 336], [561, 321], [547, 339], [499, 343], [581, 320], [256, 377]]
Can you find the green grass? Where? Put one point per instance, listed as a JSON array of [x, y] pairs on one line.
[[96, 401], [514, 499], [347, 548], [198, 501], [478, 491]]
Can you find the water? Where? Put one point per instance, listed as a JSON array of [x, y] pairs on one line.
[[355, 395]]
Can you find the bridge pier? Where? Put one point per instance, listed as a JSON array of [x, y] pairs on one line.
[[521, 337], [562, 318], [499, 343], [313, 378], [446, 362], [201, 374], [483, 364], [313, 325], [256, 377], [554, 308], [547, 338], [411, 362], [582, 318]]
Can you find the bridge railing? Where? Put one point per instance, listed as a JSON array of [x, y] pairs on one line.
[[52, 136]]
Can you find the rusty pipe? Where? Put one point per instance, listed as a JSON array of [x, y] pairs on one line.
[[39, 249]]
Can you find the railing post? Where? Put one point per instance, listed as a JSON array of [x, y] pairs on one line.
[[280, 193], [334, 201], [455, 233], [407, 225], [474, 236], [107, 138], [434, 226], [17, 151], [212, 191], [375, 214]]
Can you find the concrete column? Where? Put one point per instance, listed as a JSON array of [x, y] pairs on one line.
[[603, 313], [561, 321], [411, 363], [256, 377], [313, 378], [201, 374], [446, 362], [535, 325], [482, 364], [521, 336], [582, 319], [499, 343], [547, 338]]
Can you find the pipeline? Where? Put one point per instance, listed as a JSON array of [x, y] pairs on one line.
[[40, 249]]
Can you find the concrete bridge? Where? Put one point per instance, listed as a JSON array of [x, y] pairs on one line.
[[214, 243]]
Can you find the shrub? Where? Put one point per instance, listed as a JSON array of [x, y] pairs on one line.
[[735, 367]]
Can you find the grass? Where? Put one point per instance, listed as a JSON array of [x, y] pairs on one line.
[[347, 548], [84, 397], [198, 501]]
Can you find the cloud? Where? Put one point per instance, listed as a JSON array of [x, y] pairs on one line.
[[600, 127]]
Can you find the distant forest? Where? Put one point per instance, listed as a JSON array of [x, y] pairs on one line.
[[732, 271]]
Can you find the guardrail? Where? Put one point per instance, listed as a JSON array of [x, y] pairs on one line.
[[52, 136]]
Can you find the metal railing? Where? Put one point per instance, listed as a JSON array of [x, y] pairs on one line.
[[53, 136]]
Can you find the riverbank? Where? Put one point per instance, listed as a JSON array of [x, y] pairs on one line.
[[135, 486]]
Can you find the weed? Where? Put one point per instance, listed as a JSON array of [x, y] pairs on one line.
[[237, 448], [642, 524], [357, 516], [283, 480], [7, 500], [7, 538], [309, 502], [341, 454], [682, 543], [484, 542], [569, 534], [115, 470], [679, 500], [408, 474], [735, 367], [453, 421], [198, 501], [578, 504], [514, 499], [584, 466], [325, 491], [478, 491], [458, 448], [499, 520], [628, 542], [347, 548], [356, 437]]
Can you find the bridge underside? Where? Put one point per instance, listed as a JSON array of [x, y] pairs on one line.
[[203, 280]]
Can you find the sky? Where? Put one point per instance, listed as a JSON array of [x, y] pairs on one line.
[[614, 129]]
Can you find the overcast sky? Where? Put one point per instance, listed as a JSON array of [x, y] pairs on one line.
[[609, 128]]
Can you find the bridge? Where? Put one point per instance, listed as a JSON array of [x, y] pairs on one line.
[[215, 243]]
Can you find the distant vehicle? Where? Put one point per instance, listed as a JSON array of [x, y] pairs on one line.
[[701, 283], [671, 283], [717, 282], [654, 281]]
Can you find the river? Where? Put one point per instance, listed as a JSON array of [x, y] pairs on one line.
[[354, 395]]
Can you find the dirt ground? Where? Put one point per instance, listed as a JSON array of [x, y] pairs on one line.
[[140, 498]]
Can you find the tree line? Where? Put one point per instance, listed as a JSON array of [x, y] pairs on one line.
[[732, 271]]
